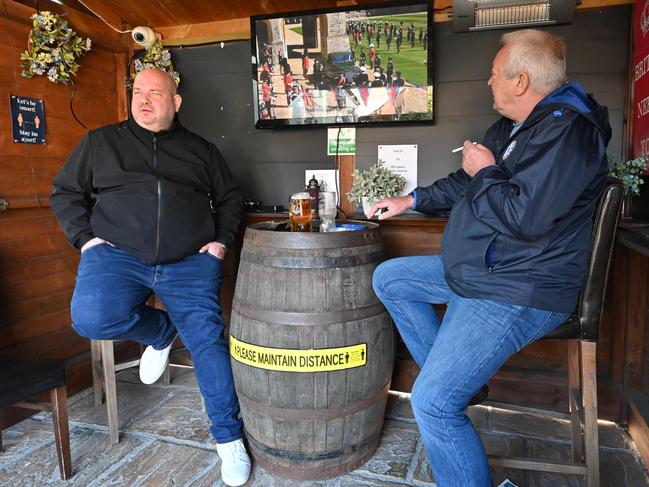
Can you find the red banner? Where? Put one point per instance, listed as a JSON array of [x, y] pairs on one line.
[[641, 79]]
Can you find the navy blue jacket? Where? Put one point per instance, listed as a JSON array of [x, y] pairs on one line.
[[519, 231]]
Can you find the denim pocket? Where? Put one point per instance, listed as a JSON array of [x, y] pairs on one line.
[[218, 259]]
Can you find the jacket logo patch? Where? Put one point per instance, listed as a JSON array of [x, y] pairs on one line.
[[509, 150]]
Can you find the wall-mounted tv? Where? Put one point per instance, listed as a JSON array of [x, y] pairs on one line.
[[344, 66]]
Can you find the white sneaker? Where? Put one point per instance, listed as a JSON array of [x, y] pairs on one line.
[[235, 463], [154, 362]]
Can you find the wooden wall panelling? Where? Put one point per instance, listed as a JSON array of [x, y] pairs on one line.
[[636, 310], [617, 305], [37, 264], [346, 165], [83, 24]]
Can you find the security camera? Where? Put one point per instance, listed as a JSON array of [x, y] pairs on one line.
[[144, 36]]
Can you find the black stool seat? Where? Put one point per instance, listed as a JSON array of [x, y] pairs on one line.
[[569, 330], [22, 378]]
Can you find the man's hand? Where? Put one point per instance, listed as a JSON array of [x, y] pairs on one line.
[[475, 157], [395, 206], [217, 249], [91, 243]]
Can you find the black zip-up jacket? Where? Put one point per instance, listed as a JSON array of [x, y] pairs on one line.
[[519, 230], [147, 193]]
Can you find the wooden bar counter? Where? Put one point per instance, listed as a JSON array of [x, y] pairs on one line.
[[628, 304]]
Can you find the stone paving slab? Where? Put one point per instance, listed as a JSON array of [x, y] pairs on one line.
[[395, 452], [166, 441], [617, 467], [525, 424], [20, 442], [494, 445], [161, 464], [91, 453], [133, 401], [180, 418]]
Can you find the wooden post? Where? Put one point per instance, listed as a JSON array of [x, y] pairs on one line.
[[97, 372], [589, 398], [122, 92], [110, 387], [346, 167], [575, 399]]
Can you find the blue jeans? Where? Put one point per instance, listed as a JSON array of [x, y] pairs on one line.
[[457, 355], [109, 304]]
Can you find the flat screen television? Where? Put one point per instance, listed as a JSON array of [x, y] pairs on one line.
[[344, 66]]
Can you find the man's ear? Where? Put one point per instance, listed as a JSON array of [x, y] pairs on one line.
[[177, 101], [522, 83]]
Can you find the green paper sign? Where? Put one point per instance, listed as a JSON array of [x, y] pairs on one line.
[[341, 141]]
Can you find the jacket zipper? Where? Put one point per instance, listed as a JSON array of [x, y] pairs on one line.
[[157, 176]]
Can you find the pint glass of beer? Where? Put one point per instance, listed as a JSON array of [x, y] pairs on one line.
[[299, 209]]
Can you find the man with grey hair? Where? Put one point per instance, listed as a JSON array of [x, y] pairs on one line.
[[514, 250], [152, 208]]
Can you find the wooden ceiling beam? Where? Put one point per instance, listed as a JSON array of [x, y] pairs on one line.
[[239, 29], [100, 9], [206, 32], [83, 24]]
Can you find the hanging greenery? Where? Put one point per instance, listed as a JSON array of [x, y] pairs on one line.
[[155, 57], [52, 48], [629, 172]]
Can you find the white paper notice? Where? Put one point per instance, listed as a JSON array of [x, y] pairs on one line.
[[401, 159]]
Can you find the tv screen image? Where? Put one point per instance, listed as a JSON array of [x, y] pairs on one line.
[[348, 65]]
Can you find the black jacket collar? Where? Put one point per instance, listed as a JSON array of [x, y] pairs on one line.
[[148, 135]]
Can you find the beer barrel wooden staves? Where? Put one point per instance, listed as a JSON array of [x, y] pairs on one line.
[[312, 349]]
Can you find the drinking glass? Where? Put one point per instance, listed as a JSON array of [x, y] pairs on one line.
[[299, 209], [327, 211]]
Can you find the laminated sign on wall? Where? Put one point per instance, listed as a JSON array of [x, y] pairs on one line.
[[27, 120]]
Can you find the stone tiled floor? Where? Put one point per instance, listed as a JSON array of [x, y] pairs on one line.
[[165, 441]]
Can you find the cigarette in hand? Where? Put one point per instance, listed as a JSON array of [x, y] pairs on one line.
[[458, 149]]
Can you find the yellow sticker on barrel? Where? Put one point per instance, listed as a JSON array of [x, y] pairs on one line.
[[292, 360]]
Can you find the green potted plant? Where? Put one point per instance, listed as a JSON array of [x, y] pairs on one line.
[[375, 183], [629, 173]]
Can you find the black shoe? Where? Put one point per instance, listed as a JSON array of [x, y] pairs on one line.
[[480, 396]]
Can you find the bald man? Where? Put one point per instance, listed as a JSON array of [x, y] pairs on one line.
[[153, 208]]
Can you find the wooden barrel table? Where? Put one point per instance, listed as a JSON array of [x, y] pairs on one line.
[[312, 349]]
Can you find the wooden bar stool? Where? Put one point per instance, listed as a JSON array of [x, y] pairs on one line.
[[21, 379], [104, 369], [582, 329]]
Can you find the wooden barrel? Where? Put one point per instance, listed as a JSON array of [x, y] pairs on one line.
[[312, 349]]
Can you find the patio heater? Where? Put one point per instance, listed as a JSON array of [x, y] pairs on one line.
[[473, 15]]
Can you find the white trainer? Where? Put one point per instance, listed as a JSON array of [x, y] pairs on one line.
[[235, 463], [153, 363]]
